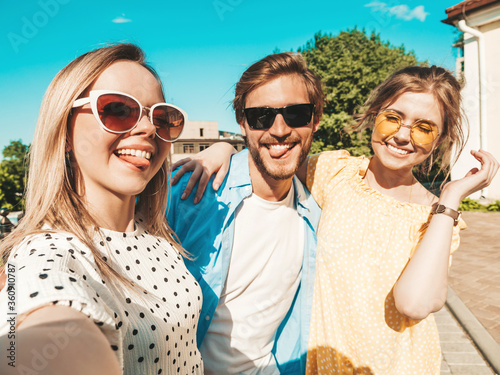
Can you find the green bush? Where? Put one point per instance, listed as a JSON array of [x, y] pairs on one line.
[[494, 207], [473, 205], [470, 205]]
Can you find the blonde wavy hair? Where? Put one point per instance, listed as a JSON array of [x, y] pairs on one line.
[[51, 194]]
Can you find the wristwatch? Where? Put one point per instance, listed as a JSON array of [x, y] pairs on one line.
[[441, 209]]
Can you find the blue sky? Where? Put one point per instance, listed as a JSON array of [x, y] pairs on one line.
[[199, 47]]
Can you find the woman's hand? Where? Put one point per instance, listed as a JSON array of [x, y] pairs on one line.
[[476, 179], [215, 159], [59, 340]]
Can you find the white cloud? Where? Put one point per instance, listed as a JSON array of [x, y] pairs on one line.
[[377, 5], [121, 19], [402, 11]]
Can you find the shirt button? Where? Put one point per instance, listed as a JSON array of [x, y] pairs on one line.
[[207, 317]]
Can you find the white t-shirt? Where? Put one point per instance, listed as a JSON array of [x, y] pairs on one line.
[[263, 278], [153, 333]]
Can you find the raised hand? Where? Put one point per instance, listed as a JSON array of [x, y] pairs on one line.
[[475, 180]]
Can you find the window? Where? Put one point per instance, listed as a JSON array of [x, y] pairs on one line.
[[201, 132], [188, 148], [204, 146]]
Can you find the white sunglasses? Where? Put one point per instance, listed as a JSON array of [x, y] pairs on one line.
[[118, 112]]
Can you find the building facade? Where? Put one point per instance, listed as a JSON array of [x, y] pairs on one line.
[[199, 135], [478, 65]]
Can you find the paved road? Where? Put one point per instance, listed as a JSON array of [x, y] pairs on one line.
[[460, 356], [475, 279], [475, 270]]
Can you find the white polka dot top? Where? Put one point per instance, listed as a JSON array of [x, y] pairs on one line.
[[365, 239], [151, 331]]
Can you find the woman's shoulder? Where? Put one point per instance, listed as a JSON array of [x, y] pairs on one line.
[[45, 239], [335, 154], [58, 247], [336, 161], [340, 156]]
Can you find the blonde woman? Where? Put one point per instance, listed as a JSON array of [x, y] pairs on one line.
[[99, 282]]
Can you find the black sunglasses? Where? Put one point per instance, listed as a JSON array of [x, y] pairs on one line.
[[295, 116]]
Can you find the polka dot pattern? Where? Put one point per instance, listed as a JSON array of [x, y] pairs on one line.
[[365, 239], [56, 268]]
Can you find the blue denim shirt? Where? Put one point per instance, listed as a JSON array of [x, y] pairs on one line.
[[206, 231]]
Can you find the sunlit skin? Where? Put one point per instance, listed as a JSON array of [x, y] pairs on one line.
[[279, 151], [111, 178], [422, 132], [411, 106], [395, 156]]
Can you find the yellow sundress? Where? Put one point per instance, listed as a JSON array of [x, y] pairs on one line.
[[365, 239]]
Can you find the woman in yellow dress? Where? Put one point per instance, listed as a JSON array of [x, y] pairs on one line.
[[384, 241]]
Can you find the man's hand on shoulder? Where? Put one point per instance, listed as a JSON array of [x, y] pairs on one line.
[[213, 160]]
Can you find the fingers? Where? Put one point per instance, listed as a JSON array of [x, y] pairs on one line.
[[195, 176], [493, 167], [201, 173], [202, 184], [219, 177], [215, 159], [471, 172], [187, 165], [478, 179], [178, 163], [202, 176], [489, 165], [475, 180]]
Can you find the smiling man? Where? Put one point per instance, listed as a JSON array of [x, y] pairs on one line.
[[253, 241]]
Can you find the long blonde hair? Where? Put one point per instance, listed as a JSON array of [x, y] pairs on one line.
[[51, 194]]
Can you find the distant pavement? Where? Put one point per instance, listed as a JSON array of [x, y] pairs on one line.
[[474, 298], [475, 270]]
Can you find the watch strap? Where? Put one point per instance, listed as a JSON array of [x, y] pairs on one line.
[[442, 209]]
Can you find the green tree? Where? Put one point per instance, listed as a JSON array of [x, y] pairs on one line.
[[350, 64], [12, 175]]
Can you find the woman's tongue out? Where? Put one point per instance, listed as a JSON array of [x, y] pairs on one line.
[[134, 160]]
